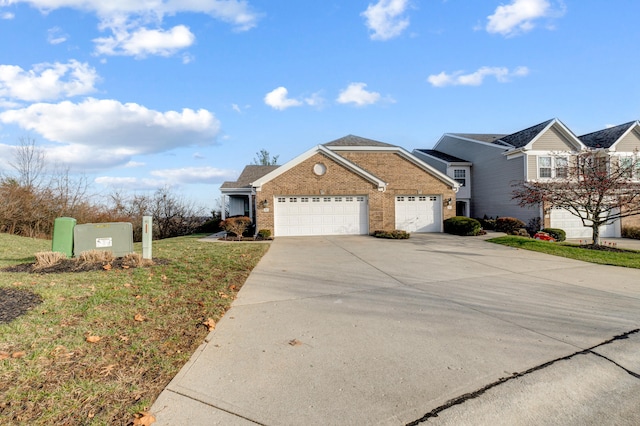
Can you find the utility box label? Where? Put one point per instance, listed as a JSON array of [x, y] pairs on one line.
[[104, 242]]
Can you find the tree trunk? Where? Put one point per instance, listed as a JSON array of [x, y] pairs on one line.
[[596, 234]]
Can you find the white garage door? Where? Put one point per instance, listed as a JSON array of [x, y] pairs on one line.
[[572, 225], [419, 213], [324, 215]]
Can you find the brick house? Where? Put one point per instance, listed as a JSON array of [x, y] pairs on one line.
[[351, 185]]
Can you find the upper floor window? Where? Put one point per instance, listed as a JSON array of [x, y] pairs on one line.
[[460, 176], [630, 167], [553, 167]]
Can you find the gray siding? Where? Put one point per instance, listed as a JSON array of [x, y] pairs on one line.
[[437, 164], [492, 176], [552, 140], [629, 143]]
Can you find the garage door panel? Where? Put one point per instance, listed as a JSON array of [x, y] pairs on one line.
[[326, 215], [419, 213], [572, 225]]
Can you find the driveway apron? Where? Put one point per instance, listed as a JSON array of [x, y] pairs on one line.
[[354, 330]]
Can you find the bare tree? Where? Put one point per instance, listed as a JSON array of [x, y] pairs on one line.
[[596, 189], [263, 158], [28, 161]]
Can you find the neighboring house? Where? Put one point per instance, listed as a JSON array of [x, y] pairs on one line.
[[537, 153], [456, 168], [351, 185]]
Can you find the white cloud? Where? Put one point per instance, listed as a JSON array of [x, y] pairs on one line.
[[458, 78], [132, 164], [278, 99], [143, 42], [7, 15], [385, 19], [519, 16], [186, 175], [47, 81], [55, 36], [106, 132], [130, 183], [355, 93], [128, 21]]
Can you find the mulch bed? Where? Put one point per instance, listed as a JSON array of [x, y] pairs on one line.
[[15, 302], [72, 265], [605, 248]]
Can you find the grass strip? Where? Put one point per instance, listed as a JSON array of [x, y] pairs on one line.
[[626, 258], [148, 322]]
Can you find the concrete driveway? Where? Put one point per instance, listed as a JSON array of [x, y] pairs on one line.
[[436, 329]]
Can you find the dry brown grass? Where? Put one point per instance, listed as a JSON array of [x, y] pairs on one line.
[[95, 256], [46, 259]]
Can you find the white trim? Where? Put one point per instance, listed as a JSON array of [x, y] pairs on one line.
[[563, 129], [382, 185], [429, 168]]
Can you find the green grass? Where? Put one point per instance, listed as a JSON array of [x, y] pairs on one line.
[[62, 378], [629, 259]]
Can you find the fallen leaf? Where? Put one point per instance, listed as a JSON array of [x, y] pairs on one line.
[[124, 338], [4, 355], [93, 339], [91, 415], [127, 285], [125, 267], [106, 371], [210, 323], [139, 317], [138, 296], [143, 418], [295, 342], [232, 287], [18, 354], [163, 278], [224, 296], [107, 267]]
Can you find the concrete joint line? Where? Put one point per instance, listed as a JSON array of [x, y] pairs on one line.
[[472, 395], [213, 406]]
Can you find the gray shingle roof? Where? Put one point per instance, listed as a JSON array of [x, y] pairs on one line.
[[441, 155], [606, 137], [250, 174], [351, 140], [523, 137]]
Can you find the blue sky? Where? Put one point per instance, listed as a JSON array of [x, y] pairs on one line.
[[141, 94]]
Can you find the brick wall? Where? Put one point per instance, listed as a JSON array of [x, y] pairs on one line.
[[404, 178]]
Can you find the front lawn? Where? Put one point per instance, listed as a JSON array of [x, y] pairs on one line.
[[626, 258], [102, 345]]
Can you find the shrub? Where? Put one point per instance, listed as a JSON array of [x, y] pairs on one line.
[[509, 225], [631, 232], [45, 259], [209, 227], [236, 225], [522, 232], [462, 225], [487, 223], [264, 234], [396, 234], [534, 225], [557, 233]]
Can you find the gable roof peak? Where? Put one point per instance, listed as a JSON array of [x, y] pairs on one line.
[[606, 138], [523, 137], [352, 140]]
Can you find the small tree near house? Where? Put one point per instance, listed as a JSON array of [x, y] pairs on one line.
[[236, 225], [597, 189]]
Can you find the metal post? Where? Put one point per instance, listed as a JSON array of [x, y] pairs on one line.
[[147, 236]]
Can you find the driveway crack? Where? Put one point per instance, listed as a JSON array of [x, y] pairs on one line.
[[472, 395]]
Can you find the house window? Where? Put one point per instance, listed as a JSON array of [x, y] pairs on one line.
[[544, 167], [460, 176], [553, 167], [630, 167]]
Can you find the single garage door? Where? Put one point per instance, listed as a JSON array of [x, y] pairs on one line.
[[324, 215], [419, 213], [572, 225]]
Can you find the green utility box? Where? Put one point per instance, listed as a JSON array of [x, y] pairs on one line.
[[63, 235], [116, 237]]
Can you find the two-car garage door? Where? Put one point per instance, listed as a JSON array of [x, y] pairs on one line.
[[321, 215], [349, 215], [572, 225]]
